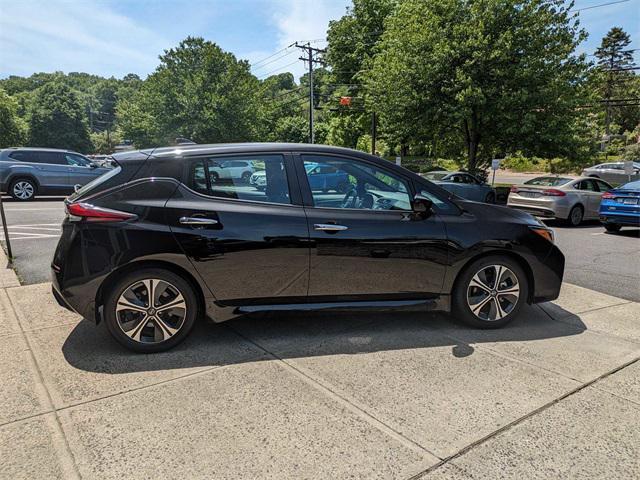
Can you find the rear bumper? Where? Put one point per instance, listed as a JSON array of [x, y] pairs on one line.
[[620, 219], [543, 209]]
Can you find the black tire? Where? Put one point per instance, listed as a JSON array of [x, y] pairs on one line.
[[612, 227], [19, 186], [575, 219], [490, 198], [183, 328], [214, 176], [461, 304], [246, 176]]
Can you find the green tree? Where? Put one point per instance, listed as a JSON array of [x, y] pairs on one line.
[[496, 76], [57, 119], [11, 126], [199, 91], [615, 82]]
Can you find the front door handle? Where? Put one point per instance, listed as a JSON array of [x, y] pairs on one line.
[[329, 227], [197, 221]]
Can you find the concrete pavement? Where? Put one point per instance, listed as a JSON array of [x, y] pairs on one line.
[[390, 395]]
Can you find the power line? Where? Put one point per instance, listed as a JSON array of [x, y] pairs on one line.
[[272, 55], [597, 6], [277, 69], [274, 60]]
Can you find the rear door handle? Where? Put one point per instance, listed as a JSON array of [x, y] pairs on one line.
[[197, 221], [329, 227]]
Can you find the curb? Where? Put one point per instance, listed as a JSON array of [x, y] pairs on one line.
[[8, 277]]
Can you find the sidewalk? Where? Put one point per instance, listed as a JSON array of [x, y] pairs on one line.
[[326, 396]]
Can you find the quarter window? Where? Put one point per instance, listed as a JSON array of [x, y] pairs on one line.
[[344, 183], [260, 178]]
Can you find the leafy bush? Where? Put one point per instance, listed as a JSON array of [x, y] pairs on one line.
[[632, 152]]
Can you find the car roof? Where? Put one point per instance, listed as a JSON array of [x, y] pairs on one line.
[[41, 149], [214, 148]]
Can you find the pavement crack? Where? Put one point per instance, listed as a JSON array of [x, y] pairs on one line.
[[342, 399], [522, 419]]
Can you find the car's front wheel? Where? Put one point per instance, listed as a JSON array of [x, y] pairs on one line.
[[490, 292], [150, 310], [23, 189]]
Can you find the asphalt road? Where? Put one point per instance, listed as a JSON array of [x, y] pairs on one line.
[[608, 263]]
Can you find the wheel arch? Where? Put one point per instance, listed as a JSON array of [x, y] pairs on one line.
[[522, 263], [113, 277], [20, 175]]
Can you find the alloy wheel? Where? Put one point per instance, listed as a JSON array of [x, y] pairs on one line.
[[151, 311], [23, 190], [576, 216], [493, 293]]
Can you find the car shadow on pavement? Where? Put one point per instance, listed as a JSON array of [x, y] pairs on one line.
[[298, 335]]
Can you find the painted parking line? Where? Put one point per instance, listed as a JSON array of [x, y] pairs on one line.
[[33, 231]]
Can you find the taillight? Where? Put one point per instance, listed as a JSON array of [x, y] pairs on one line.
[[608, 195], [514, 189], [552, 192], [91, 213]]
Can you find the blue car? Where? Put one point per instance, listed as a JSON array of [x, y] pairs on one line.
[[621, 207], [464, 185], [325, 177]]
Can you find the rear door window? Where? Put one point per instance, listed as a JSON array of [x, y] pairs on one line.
[[261, 178], [51, 158]]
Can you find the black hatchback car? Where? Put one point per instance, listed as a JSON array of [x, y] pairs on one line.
[[167, 236]]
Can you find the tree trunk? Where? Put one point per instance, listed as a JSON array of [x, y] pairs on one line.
[[472, 140]]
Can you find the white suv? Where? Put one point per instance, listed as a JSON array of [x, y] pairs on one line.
[[232, 169]]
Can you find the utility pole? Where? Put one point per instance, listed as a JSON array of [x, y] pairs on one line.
[[309, 57], [374, 132]]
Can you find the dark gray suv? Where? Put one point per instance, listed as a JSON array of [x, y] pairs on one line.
[[27, 172]]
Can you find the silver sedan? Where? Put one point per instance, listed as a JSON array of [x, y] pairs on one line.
[[613, 172], [569, 199]]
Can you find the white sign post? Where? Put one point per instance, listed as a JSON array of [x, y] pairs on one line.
[[495, 165], [628, 168], [398, 160]]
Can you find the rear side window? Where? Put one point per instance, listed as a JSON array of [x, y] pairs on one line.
[[260, 178], [95, 182], [23, 156]]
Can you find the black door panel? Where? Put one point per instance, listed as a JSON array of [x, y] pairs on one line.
[[255, 251], [379, 255]]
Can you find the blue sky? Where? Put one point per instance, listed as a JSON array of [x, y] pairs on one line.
[[116, 37]]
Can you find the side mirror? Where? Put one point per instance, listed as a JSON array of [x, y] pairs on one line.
[[422, 206]]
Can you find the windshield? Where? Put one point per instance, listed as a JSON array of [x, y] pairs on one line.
[[548, 181], [631, 186], [435, 175]]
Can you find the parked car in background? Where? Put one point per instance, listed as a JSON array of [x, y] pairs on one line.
[[321, 178], [169, 243], [569, 199], [621, 207], [232, 170], [464, 185], [613, 172], [26, 172]]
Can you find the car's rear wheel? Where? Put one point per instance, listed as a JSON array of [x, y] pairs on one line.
[[23, 189], [246, 176], [612, 227], [150, 310], [490, 292], [575, 216]]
